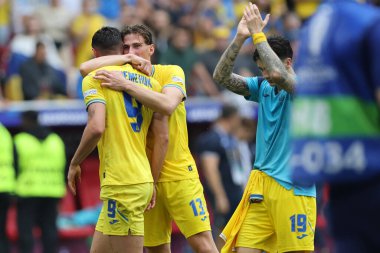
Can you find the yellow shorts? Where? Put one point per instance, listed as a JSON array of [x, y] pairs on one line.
[[282, 222], [123, 209], [182, 201]]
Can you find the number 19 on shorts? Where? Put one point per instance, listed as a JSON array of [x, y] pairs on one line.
[[298, 223]]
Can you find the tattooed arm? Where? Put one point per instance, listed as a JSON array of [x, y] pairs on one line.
[[277, 72], [223, 71]]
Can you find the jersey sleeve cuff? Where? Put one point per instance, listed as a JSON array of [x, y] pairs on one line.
[[95, 101], [178, 87]]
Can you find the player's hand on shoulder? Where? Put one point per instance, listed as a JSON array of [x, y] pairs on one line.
[[114, 80], [73, 176], [255, 23]]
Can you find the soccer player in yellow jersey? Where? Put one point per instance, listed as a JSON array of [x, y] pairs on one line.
[[179, 192], [119, 125]]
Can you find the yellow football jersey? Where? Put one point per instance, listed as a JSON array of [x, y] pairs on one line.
[[179, 163], [123, 160]]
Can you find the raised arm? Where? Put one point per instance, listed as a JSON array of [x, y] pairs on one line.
[[223, 71], [277, 72]]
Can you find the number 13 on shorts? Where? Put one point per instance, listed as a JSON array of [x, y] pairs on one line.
[[197, 206]]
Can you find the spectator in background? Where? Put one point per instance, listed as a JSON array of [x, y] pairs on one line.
[[203, 34], [181, 52], [220, 11], [41, 163], [222, 167], [246, 138], [75, 6], [7, 184], [55, 20], [39, 80], [129, 15], [161, 26], [23, 45], [82, 29], [182, 11], [22, 9], [291, 27]]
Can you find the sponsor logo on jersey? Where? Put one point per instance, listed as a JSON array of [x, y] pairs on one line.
[[89, 92], [177, 79]]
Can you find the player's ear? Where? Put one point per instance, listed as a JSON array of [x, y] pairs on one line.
[[151, 49], [94, 52], [288, 62]]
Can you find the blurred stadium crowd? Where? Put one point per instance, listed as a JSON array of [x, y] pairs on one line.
[[192, 34]]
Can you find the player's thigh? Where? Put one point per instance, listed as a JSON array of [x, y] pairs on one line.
[[113, 243], [100, 243], [187, 205], [123, 212], [134, 243], [248, 250], [163, 248], [294, 219], [257, 230], [157, 224]]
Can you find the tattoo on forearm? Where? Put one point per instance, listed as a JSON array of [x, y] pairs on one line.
[[223, 71], [274, 64]]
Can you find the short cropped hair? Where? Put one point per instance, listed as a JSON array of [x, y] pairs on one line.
[[107, 39]]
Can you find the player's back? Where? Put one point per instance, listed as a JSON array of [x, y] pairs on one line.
[[122, 155], [179, 163]]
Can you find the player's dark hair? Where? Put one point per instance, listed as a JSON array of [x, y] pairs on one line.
[[228, 110], [107, 40], [280, 46], [142, 30]]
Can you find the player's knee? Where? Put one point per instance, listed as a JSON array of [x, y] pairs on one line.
[[202, 243], [164, 248]]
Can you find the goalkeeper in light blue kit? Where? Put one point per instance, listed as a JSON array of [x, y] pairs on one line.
[[336, 118]]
